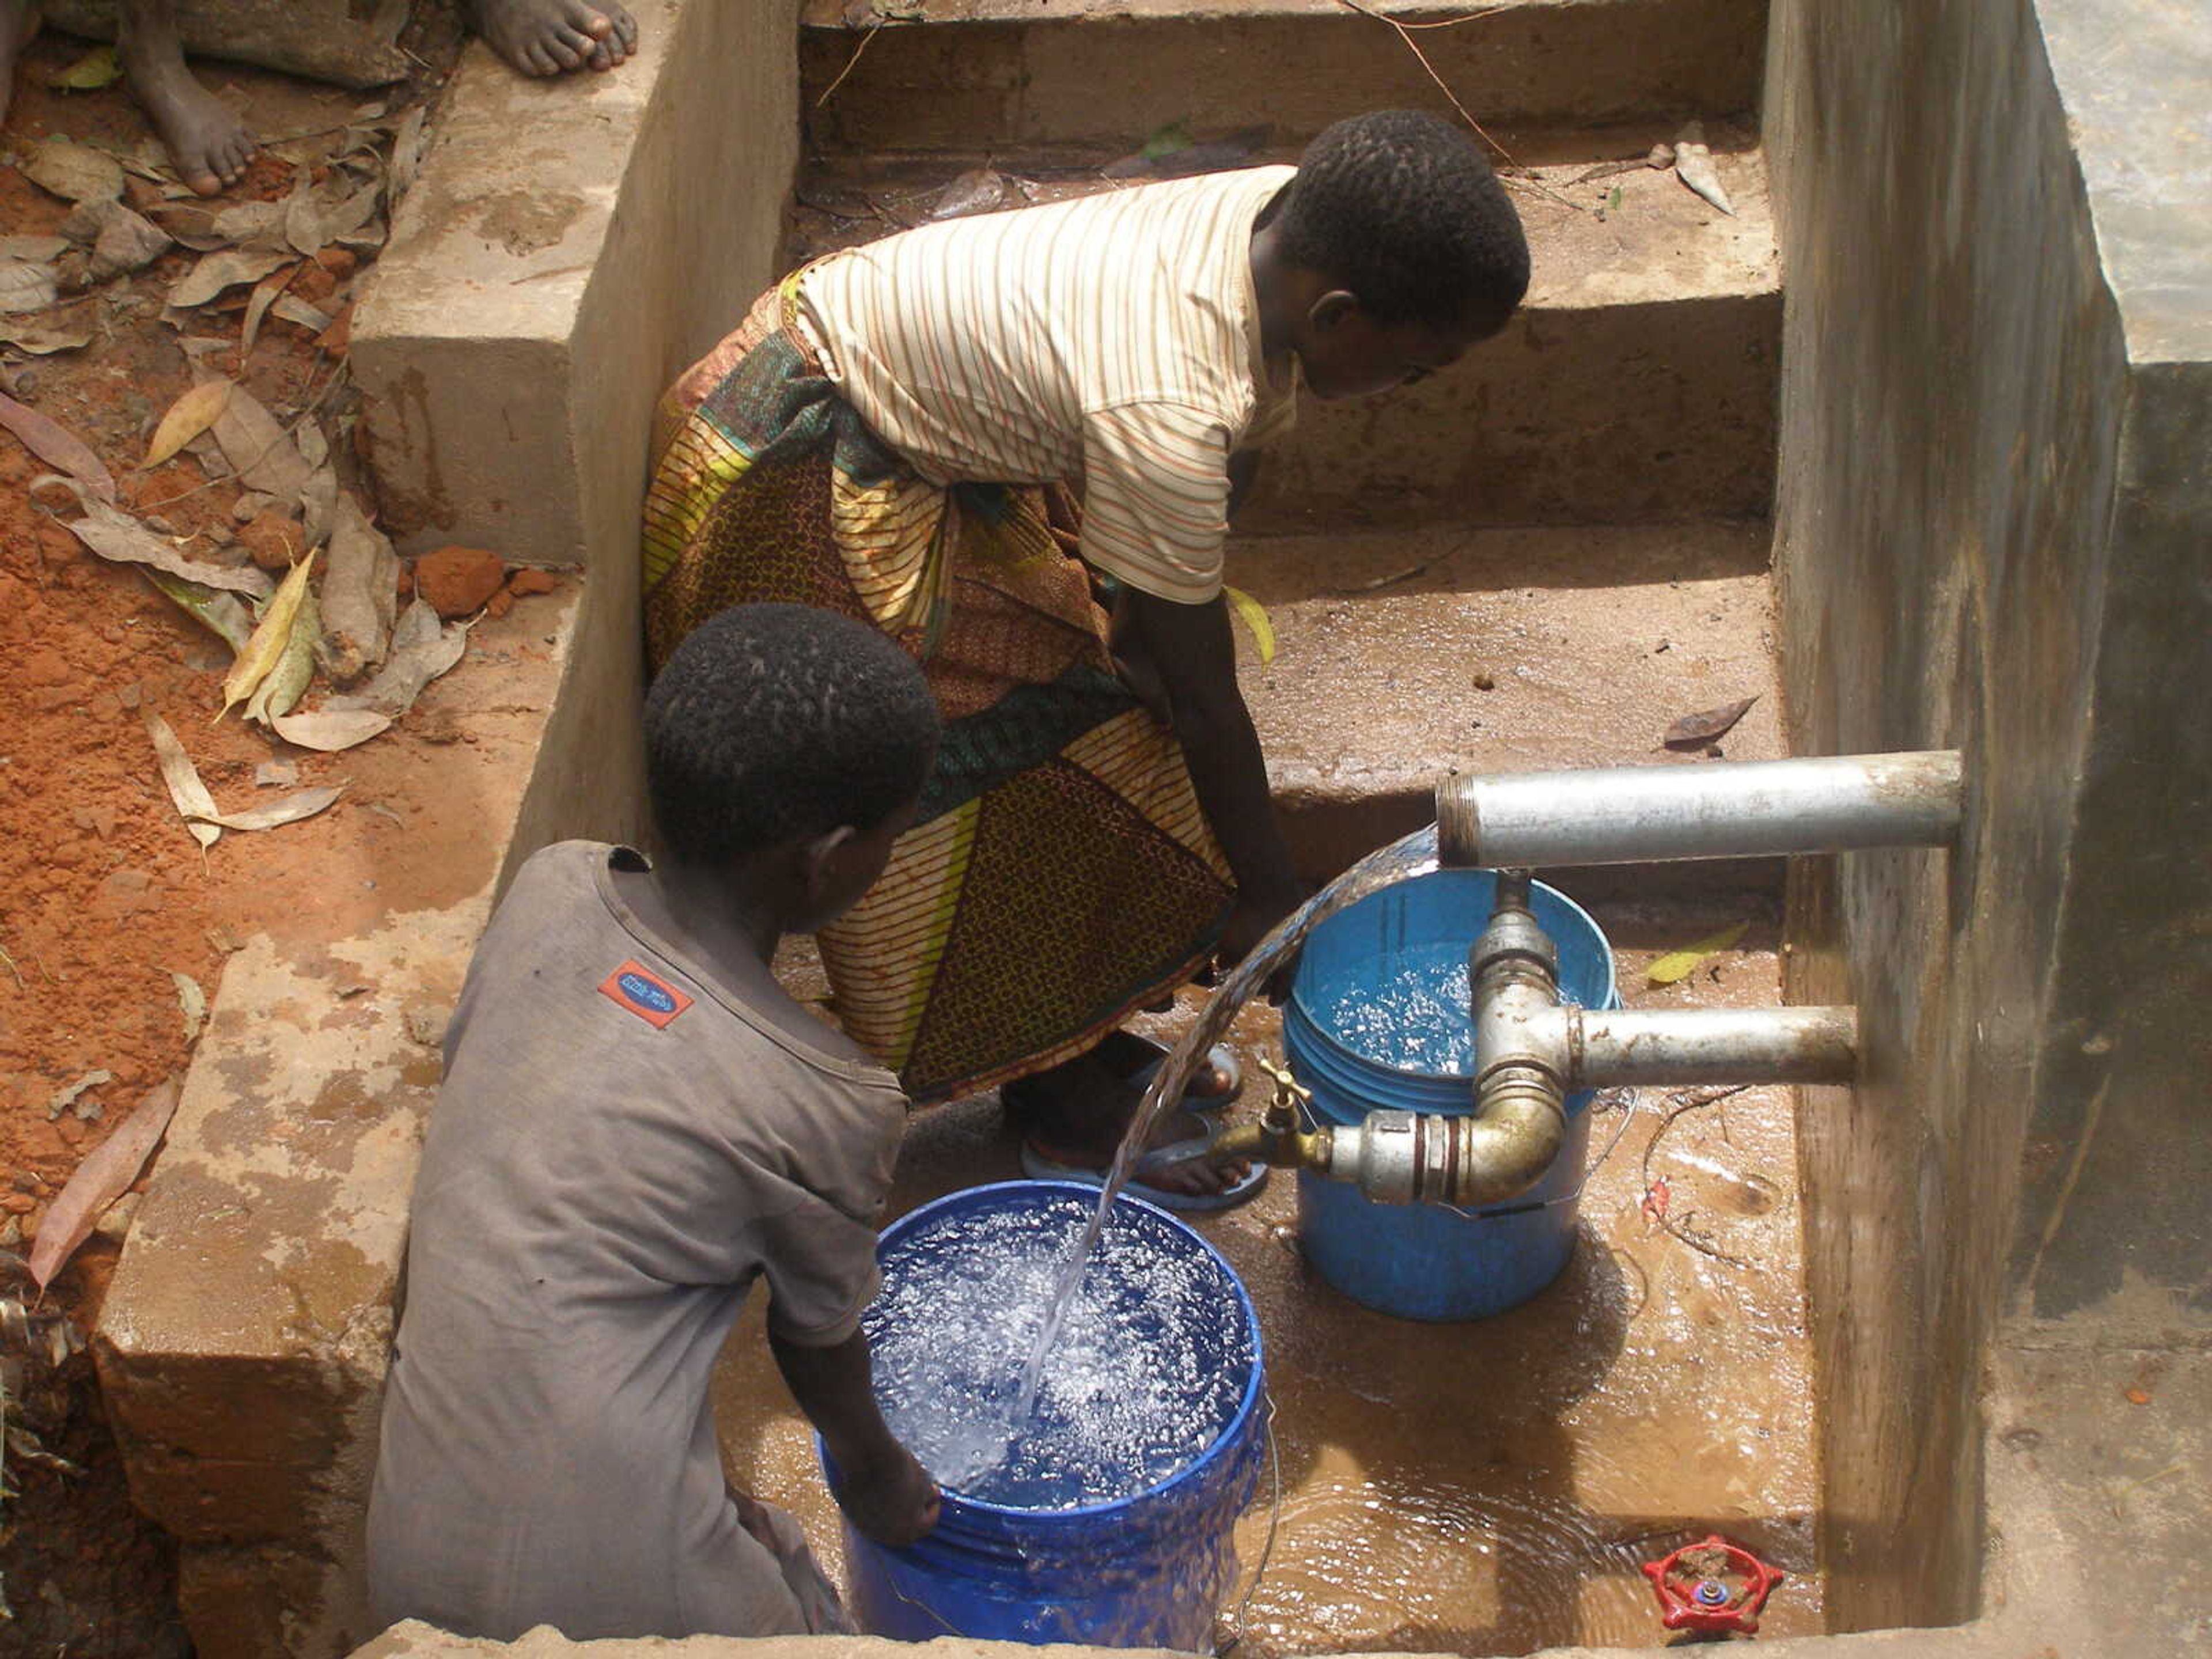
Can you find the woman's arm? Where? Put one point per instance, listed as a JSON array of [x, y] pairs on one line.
[[1190, 653]]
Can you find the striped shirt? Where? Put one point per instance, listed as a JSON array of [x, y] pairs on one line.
[[1112, 340]]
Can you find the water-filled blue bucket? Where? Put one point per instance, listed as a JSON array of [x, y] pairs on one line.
[[1147, 1570], [1424, 1260]]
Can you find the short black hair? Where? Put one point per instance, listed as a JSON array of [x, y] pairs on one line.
[[775, 722], [1403, 209]]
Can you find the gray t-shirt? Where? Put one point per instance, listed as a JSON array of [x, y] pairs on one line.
[[621, 1147]]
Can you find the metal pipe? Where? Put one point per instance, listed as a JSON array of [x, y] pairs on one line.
[[1611, 1049], [1729, 809], [1404, 1158]]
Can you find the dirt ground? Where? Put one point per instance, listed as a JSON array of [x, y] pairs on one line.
[[107, 906]]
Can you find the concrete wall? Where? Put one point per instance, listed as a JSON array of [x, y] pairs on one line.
[[547, 278], [1990, 528]]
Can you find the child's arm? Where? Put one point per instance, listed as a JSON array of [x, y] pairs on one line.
[[1192, 651], [886, 1492]]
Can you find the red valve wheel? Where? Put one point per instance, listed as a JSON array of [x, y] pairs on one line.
[[1712, 1586]]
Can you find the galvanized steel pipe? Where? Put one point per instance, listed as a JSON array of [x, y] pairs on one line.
[[1728, 809], [1618, 1047]]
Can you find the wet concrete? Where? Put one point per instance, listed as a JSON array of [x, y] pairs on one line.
[[1486, 1488]]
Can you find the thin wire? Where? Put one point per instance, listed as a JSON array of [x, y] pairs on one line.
[[1267, 1548], [1499, 1212]]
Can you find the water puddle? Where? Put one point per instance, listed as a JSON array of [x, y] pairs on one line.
[[1485, 1488]]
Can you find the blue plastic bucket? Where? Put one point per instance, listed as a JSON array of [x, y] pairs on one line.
[[1147, 1571], [1424, 1261]]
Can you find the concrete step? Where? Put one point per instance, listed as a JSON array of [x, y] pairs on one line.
[[883, 76], [1401, 657], [1637, 384]]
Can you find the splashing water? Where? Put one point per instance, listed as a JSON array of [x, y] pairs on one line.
[[1402, 860], [1145, 1378]]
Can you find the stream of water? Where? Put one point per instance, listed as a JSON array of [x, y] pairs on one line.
[[1414, 855]]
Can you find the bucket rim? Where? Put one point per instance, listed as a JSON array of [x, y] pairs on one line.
[[1297, 1004], [1254, 1381]]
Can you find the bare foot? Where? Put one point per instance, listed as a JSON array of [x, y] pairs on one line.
[[554, 37], [19, 21], [209, 145]]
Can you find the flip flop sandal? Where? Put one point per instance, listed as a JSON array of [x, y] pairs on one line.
[[1038, 1167], [1221, 1057]]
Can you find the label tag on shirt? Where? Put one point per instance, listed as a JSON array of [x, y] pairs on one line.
[[645, 994]]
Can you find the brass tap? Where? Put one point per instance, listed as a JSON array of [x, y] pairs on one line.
[[1278, 1138]]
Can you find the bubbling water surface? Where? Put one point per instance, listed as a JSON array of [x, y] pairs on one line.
[[1144, 1375], [1402, 860]]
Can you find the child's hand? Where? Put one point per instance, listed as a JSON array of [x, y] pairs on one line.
[[891, 1500]]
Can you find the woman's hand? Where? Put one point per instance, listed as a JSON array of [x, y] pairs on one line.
[[890, 1498], [1252, 918]]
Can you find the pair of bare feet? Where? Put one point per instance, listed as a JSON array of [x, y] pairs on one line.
[[208, 143]]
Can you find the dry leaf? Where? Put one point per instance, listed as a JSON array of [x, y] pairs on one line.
[[1680, 965], [280, 693], [95, 70], [38, 250], [318, 499], [288, 810], [1693, 166], [57, 445], [226, 269], [313, 222], [40, 338], [1255, 617], [329, 730], [185, 790], [980, 190], [267, 646], [26, 285], [106, 1174], [121, 241], [420, 652], [264, 294], [407, 150], [293, 309], [74, 172], [221, 613], [192, 1003], [259, 450], [189, 415], [359, 595], [1693, 730], [114, 534], [64, 1098]]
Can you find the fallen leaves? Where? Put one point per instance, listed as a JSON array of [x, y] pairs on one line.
[[74, 172], [1693, 166], [114, 534], [420, 651], [270, 639], [89, 73], [1253, 615], [189, 415], [103, 1176], [330, 730], [1695, 731], [192, 1003], [202, 818], [189, 794], [57, 445], [227, 268], [1678, 965]]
